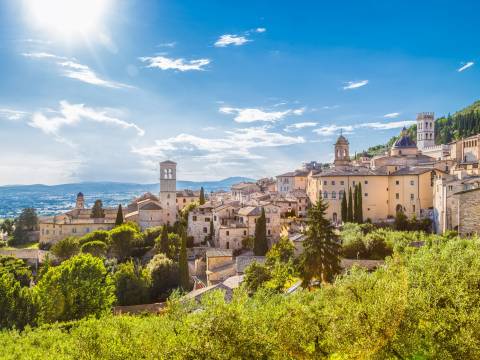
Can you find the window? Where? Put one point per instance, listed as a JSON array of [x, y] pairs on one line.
[[269, 232], [366, 194], [215, 218], [412, 182], [205, 230], [228, 233], [397, 196], [413, 208], [228, 244], [268, 220], [207, 219], [342, 182], [333, 182], [324, 182], [397, 182], [74, 230], [325, 195], [353, 183], [412, 196], [341, 194], [366, 182], [184, 201], [334, 195], [168, 196], [245, 232], [194, 218]]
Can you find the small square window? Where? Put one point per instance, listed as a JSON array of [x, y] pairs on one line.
[[228, 233], [366, 182], [412, 196], [366, 194], [342, 182], [412, 182], [397, 196], [325, 182], [397, 182], [333, 182]]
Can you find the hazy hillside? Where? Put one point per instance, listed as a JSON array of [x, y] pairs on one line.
[[56, 198]]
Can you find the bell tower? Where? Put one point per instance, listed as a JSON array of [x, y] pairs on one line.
[[342, 156], [425, 130], [80, 203], [168, 191]]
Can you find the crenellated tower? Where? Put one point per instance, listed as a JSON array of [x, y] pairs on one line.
[[168, 190], [425, 130]]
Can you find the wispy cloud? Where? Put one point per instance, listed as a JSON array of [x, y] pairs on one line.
[[466, 66], [391, 115], [74, 70], [330, 107], [228, 39], [247, 115], [260, 30], [72, 114], [298, 126], [330, 130], [355, 84], [333, 129], [165, 63], [167, 44], [236, 144], [387, 126], [12, 114]]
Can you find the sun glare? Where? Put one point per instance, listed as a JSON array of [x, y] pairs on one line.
[[67, 18]]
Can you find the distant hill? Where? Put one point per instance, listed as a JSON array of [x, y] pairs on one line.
[[463, 123], [52, 199]]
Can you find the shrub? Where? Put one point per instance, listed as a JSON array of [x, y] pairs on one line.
[[95, 248], [377, 248], [97, 235], [124, 239], [164, 274], [132, 284], [354, 249], [17, 267], [17, 308], [151, 234], [256, 275], [66, 248]]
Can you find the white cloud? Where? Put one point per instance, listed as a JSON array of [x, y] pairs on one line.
[[237, 144], [260, 30], [391, 115], [298, 126], [74, 70], [11, 114], [330, 107], [247, 115], [72, 114], [333, 129], [228, 39], [167, 44], [387, 126], [355, 84], [165, 63], [466, 66]]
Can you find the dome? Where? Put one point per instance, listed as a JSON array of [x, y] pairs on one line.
[[341, 140], [80, 194], [405, 141]]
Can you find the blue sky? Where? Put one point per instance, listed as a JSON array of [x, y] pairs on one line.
[[103, 90]]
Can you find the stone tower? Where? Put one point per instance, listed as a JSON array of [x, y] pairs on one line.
[[80, 203], [342, 157], [425, 130], [168, 191]]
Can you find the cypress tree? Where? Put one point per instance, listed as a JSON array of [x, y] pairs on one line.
[[350, 206], [119, 219], [97, 210], [212, 234], [355, 204], [360, 205], [183, 263], [202, 196], [344, 208], [321, 255], [260, 245], [164, 240]]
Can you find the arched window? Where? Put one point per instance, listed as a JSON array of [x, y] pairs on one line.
[[325, 195], [341, 194], [334, 195], [334, 217]]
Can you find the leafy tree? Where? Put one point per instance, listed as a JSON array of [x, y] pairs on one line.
[[248, 242], [350, 206], [376, 246], [202, 196], [321, 255], [66, 248], [124, 239], [401, 221], [344, 208], [260, 246], [132, 284], [355, 204], [162, 242], [95, 248], [359, 210], [256, 275], [97, 210], [354, 249], [164, 274], [17, 308], [77, 288], [17, 267], [283, 251], [183, 264], [97, 235], [25, 223], [174, 244], [119, 220], [150, 235], [7, 226]]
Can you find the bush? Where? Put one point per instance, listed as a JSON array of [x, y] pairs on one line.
[[376, 246], [164, 274], [97, 235], [132, 284], [95, 248], [124, 239], [66, 248], [255, 276], [77, 288], [150, 235], [354, 249], [17, 308], [16, 267]]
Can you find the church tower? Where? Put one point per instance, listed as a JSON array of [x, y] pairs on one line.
[[342, 156], [80, 203], [168, 191], [425, 130]]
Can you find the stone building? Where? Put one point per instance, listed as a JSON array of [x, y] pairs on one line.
[[168, 191], [241, 192], [294, 180], [186, 197]]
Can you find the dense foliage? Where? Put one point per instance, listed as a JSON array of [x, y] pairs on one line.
[[423, 304], [25, 223]]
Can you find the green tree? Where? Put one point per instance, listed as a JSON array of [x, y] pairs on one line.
[[17, 267], [164, 274], [183, 264], [26, 222], [260, 246], [202, 196], [66, 248], [7, 226], [321, 255], [17, 308], [97, 210], [77, 288], [95, 248], [283, 251], [150, 235], [163, 243], [355, 204], [174, 244], [123, 240], [119, 220], [350, 206], [132, 284], [401, 221], [211, 237], [97, 235], [344, 208], [359, 204], [256, 275]]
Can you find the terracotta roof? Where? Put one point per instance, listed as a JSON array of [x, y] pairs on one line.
[[216, 252]]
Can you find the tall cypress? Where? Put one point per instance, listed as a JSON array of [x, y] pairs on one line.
[[260, 245], [355, 204], [119, 219], [344, 208], [359, 204], [164, 240], [183, 263], [350, 206], [202, 196], [212, 234]]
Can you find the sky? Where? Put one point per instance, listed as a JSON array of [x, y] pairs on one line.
[[103, 90]]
